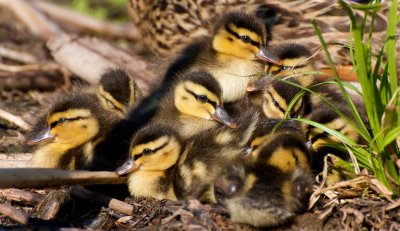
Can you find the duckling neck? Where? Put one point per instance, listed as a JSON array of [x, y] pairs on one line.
[[50, 155], [234, 74], [151, 184]]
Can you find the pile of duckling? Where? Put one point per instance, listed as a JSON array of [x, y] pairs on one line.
[[217, 128]]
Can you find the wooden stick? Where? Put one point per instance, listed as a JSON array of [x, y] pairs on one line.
[[19, 56], [89, 58], [14, 119], [14, 194], [37, 23], [85, 22], [96, 198], [14, 214], [42, 178], [15, 160], [29, 67]]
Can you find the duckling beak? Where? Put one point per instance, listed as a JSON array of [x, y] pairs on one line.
[[42, 136], [127, 167], [267, 55], [309, 146], [259, 84], [247, 152], [222, 116]]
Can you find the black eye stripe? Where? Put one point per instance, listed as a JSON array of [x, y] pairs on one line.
[[252, 42], [55, 123], [135, 157], [276, 104], [195, 96]]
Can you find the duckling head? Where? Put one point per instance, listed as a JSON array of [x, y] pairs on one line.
[[199, 94], [277, 97], [316, 137], [154, 148], [295, 63], [244, 36], [117, 91], [295, 60], [71, 122]]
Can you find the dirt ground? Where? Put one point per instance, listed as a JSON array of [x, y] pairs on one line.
[[355, 205]]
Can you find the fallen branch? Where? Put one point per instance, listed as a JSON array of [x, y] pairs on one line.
[[29, 67], [14, 214], [19, 56], [26, 197], [102, 200], [85, 22], [37, 23], [90, 57], [14, 119], [43, 178]]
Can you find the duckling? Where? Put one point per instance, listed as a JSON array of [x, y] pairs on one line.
[[117, 91], [65, 135], [154, 152], [193, 103], [231, 55], [268, 191]]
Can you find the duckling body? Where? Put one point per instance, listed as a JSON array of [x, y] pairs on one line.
[[64, 132], [271, 189]]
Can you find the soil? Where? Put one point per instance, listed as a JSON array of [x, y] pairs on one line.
[[358, 211]]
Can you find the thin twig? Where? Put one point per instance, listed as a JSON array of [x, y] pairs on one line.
[[14, 214], [42, 178], [14, 194], [29, 67], [96, 198], [14, 119], [19, 56]]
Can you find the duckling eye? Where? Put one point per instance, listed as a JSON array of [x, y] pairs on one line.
[[325, 134], [276, 103], [285, 67], [245, 38], [62, 120], [202, 98], [147, 151]]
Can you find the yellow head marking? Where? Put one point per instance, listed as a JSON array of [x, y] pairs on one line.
[[188, 97], [288, 159], [73, 127], [249, 182], [274, 106], [239, 42], [109, 102], [156, 155], [339, 125]]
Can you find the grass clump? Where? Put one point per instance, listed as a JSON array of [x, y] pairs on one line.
[[380, 91]]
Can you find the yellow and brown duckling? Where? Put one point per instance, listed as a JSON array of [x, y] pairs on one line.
[[154, 154], [117, 91], [193, 104], [270, 190], [231, 55], [65, 134]]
